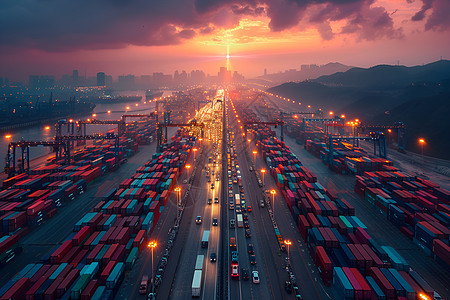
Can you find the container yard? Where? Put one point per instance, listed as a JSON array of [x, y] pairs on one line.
[[340, 244], [220, 205]]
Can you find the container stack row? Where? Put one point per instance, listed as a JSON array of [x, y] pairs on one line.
[[339, 243], [27, 200], [105, 243], [417, 206]]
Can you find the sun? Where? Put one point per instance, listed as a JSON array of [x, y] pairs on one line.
[[228, 55]]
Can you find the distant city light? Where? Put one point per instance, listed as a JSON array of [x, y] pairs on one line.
[[8, 136], [47, 127]]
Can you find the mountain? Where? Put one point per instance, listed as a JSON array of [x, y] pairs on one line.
[[419, 96], [306, 72], [389, 76]]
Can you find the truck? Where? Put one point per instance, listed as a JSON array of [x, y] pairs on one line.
[[144, 284], [205, 239], [197, 283], [240, 221]]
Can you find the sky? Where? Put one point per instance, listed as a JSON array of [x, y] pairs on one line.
[[119, 37]]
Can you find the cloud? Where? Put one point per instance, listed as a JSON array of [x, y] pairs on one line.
[[67, 25], [438, 19]]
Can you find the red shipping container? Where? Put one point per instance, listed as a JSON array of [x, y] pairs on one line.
[[60, 252], [30, 293], [18, 290], [81, 235], [50, 293], [107, 271], [67, 282], [89, 291]]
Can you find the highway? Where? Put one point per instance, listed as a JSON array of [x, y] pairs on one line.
[[273, 260]]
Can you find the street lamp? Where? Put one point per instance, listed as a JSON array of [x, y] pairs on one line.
[[152, 245], [178, 190], [263, 171], [195, 150], [254, 155], [200, 139], [273, 192], [422, 142], [288, 243], [188, 167]]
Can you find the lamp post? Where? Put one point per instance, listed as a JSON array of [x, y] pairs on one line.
[[152, 245], [422, 142], [200, 139], [254, 156], [195, 150], [263, 171], [288, 243], [178, 190], [273, 192], [188, 167]]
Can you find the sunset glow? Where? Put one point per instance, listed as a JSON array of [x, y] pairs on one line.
[[247, 38]]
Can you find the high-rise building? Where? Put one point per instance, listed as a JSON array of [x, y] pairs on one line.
[[75, 76], [101, 79], [224, 75]]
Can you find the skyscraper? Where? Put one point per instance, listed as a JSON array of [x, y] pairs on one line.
[[75, 76], [101, 79]]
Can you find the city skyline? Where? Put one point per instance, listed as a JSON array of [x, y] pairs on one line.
[[187, 35]]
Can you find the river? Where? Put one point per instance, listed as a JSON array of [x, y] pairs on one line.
[[46, 132]]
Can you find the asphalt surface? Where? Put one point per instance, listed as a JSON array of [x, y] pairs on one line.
[[270, 260]]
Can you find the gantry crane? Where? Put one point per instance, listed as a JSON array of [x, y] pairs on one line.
[[374, 136], [336, 121], [162, 139], [386, 129], [62, 143]]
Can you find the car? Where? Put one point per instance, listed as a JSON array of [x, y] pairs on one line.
[[216, 200], [235, 270], [217, 178], [261, 203], [245, 274], [209, 201], [246, 224], [209, 179], [212, 186], [288, 286], [252, 259], [255, 277], [245, 217], [185, 181], [234, 256], [232, 223], [215, 222], [249, 208], [248, 233], [251, 169], [250, 248], [198, 220], [213, 257]]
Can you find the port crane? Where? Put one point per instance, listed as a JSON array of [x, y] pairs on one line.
[[62, 143], [336, 121], [399, 127], [160, 138], [376, 137]]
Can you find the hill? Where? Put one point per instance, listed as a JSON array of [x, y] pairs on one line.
[[384, 76], [419, 96], [306, 72]]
